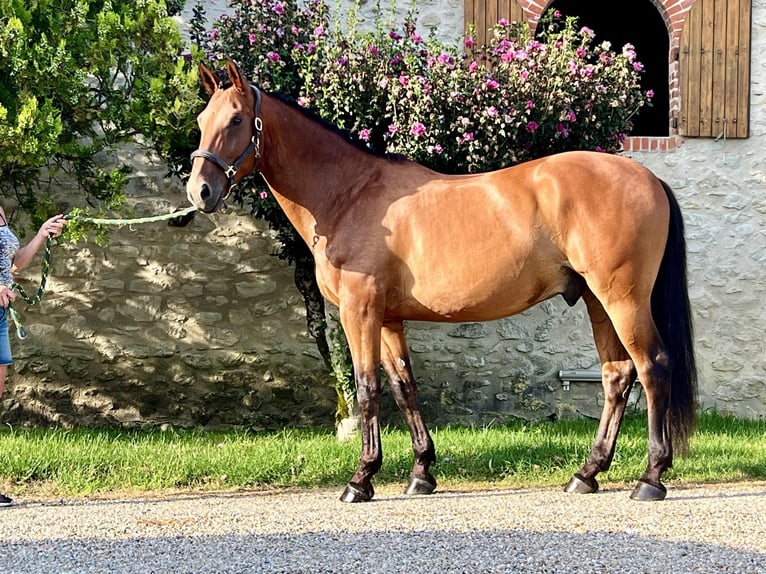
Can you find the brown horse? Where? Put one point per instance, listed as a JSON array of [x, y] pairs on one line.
[[395, 241]]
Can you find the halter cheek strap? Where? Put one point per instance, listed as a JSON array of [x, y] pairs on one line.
[[254, 146]]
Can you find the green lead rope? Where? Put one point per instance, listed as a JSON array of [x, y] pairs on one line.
[[135, 221], [21, 331]]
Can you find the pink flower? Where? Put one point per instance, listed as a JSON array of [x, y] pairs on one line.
[[302, 101], [404, 80], [532, 126], [263, 195], [213, 33], [492, 84], [473, 66], [650, 94], [562, 129], [273, 57], [469, 42], [638, 66], [418, 129], [502, 22], [530, 105], [251, 38], [278, 8], [392, 129], [318, 31], [492, 111], [468, 137], [364, 135], [629, 51]]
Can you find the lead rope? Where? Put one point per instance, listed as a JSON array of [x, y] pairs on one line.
[[21, 331]]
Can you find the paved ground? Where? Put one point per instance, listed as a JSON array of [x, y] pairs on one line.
[[711, 529]]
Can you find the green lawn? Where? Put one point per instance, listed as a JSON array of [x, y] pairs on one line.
[[83, 462]]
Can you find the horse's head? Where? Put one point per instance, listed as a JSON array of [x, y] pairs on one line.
[[230, 138]]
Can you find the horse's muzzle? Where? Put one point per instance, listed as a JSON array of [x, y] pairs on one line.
[[205, 197]]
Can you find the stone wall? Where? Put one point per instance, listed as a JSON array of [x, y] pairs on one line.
[[193, 326], [202, 326]]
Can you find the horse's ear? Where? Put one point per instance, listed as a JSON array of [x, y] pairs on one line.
[[237, 78], [209, 81]]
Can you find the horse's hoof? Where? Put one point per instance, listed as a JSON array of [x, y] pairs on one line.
[[646, 491], [354, 494], [579, 486], [419, 486]]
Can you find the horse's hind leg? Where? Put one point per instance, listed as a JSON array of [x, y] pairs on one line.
[[618, 374], [396, 362], [636, 327]]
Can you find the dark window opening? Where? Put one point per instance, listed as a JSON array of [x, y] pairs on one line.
[[640, 25]]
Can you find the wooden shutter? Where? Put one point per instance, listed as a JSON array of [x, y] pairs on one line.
[[714, 66], [484, 14]]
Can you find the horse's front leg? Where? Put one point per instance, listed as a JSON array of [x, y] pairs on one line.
[[396, 362], [361, 317]]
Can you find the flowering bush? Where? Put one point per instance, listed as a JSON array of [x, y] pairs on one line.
[[516, 99], [454, 109]]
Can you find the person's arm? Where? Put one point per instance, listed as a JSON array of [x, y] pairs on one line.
[[24, 255]]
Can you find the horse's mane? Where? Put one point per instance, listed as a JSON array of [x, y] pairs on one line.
[[347, 135]]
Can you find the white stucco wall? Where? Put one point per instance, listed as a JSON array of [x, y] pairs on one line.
[[444, 16]]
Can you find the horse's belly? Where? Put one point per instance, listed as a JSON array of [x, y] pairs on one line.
[[476, 296]]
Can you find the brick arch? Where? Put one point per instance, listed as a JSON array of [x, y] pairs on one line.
[[674, 13]]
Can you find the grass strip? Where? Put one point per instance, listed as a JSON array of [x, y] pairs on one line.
[[86, 462]]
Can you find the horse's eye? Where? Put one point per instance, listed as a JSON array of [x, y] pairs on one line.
[[236, 120]]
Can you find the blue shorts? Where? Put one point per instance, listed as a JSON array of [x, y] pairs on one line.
[[5, 340]]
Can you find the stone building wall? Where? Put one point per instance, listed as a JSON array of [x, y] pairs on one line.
[[202, 326]]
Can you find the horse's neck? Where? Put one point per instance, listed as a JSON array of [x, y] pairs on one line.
[[313, 173]]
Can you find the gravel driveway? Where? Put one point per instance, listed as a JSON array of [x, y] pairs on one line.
[[719, 528]]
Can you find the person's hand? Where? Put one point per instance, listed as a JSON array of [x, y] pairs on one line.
[[6, 296], [54, 226]]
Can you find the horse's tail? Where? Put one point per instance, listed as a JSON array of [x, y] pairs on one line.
[[672, 315]]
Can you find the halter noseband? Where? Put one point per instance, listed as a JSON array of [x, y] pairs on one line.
[[255, 143]]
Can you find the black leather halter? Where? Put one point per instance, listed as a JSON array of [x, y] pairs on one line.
[[254, 146]]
